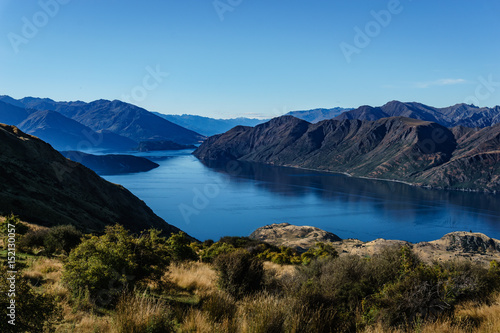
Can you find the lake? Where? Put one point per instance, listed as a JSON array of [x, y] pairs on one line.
[[234, 199]]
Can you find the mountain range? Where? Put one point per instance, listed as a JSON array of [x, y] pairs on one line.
[[211, 126], [317, 115], [208, 126], [41, 186], [396, 148], [456, 115], [100, 124]]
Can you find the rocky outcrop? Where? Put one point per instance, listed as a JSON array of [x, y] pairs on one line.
[[471, 246], [298, 237]]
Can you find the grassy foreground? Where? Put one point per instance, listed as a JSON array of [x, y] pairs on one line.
[[118, 282]]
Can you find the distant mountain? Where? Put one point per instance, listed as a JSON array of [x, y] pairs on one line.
[[116, 117], [161, 145], [64, 133], [41, 186], [111, 164], [208, 126], [211, 126], [317, 115], [11, 114], [11, 101], [397, 148], [456, 115]]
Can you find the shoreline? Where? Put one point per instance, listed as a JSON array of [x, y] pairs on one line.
[[428, 187]]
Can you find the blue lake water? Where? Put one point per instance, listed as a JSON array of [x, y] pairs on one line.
[[235, 198]]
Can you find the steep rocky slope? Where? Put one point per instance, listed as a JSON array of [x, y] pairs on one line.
[[397, 148], [41, 186]]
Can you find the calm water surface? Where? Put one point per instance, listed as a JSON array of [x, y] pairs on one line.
[[236, 198]]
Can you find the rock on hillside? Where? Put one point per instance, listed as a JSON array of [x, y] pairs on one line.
[[460, 244], [475, 246], [42, 187], [298, 237]]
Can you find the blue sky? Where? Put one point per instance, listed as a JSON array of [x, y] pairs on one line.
[[251, 58]]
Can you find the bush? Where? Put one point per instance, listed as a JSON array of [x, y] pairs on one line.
[[421, 291], [214, 250], [33, 240], [62, 239], [219, 306], [180, 247], [239, 273], [56, 240], [320, 250], [108, 264], [19, 227], [34, 312]]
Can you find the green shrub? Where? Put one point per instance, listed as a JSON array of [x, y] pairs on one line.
[[320, 250], [216, 249], [34, 312], [12, 225], [33, 240], [62, 239], [239, 273], [180, 247], [108, 264], [419, 291]]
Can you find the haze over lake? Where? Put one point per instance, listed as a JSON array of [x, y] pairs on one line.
[[236, 198]]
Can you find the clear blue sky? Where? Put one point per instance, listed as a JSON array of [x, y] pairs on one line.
[[264, 58]]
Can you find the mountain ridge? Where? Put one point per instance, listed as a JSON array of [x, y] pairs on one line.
[[397, 148], [456, 115], [43, 187], [102, 116]]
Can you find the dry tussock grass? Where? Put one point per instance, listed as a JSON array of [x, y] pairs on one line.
[[280, 270], [87, 323], [198, 321], [468, 317], [195, 276], [46, 271], [134, 313]]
